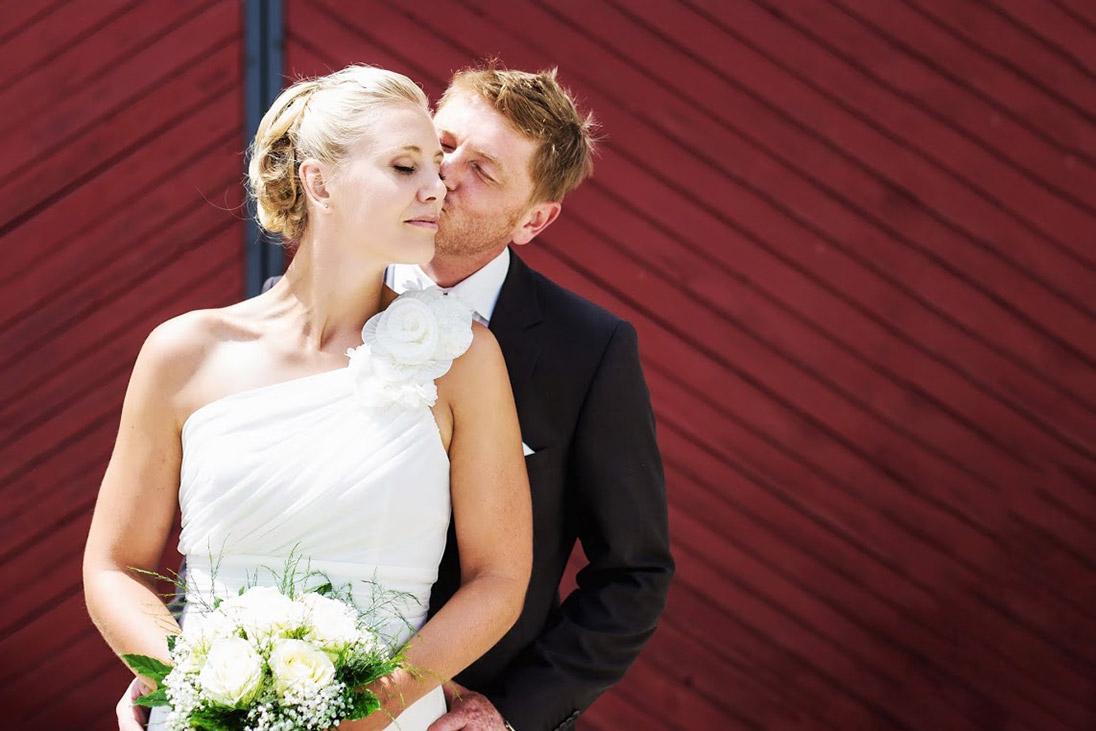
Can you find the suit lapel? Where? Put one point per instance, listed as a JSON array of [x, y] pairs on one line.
[[516, 312]]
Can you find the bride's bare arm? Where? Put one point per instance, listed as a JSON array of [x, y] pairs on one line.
[[136, 503], [493, 517]]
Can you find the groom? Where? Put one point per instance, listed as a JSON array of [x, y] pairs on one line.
[[514, 146]]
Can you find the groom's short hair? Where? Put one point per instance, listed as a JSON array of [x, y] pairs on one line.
[[545, 112]]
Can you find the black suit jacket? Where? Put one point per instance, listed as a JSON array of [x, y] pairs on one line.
[[596, 476]]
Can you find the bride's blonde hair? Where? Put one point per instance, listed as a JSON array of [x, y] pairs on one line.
[[317, 118]]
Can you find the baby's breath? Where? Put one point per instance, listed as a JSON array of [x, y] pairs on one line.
[[346, 637]]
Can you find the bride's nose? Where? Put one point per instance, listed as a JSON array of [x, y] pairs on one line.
[[433, 190]]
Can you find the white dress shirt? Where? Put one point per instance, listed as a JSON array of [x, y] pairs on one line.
[[480, 290]]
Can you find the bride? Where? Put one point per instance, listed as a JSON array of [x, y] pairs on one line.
[[252, 420]]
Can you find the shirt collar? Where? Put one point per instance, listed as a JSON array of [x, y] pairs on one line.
[[480, 290]]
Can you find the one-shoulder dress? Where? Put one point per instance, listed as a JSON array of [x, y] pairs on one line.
[[343, 469]]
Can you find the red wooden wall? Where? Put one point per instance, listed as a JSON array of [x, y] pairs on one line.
[[121, 158], [857, 240]]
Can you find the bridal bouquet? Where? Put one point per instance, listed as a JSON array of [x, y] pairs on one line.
[[272, 661]]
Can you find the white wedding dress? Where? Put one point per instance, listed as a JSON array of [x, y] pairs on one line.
[[345, 469]]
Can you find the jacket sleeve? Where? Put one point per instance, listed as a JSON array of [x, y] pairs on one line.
[[618, 490]]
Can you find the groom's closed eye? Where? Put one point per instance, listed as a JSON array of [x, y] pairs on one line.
[[479, 168]]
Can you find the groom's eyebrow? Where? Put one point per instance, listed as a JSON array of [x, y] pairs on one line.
[[499, 169]]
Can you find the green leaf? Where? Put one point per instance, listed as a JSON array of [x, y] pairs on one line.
[[171, 640], [218, 719], [150, 667], [157, 697], [378, 672], [363, 703]]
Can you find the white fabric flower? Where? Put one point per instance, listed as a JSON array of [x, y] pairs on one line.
[[331, 625], [408, 329], [297, 665], [232, 673], [409, 345]]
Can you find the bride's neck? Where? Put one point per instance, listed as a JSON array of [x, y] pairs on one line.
[[327, 299]]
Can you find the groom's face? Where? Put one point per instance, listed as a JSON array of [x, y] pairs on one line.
[[486, 168]]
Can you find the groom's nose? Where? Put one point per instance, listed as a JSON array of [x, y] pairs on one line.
[[452, 168]]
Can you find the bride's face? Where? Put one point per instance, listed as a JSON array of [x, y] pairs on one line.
[[386, 197]]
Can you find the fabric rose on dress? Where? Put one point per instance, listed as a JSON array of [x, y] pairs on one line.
[[409, 345]]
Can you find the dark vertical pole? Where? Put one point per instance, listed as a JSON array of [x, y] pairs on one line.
[[263, 36]]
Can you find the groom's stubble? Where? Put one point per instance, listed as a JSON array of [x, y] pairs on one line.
[[466, 234]]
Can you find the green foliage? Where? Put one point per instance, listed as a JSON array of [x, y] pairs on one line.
[[150, 667], [217, 720], [364, 703], [157, 697], [379, 671], [353, 670], [363, 671]]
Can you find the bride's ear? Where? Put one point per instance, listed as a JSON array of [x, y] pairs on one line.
[[535, 220], [314, 183]]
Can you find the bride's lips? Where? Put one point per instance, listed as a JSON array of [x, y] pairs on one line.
[[427, 223]]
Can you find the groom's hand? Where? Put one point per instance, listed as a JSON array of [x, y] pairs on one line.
[[468, 712], [131, 717]]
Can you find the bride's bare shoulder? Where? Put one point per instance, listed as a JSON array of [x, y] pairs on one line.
[[190, 337], [481, 365], [177, 352]]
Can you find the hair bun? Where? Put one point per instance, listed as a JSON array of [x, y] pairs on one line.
[[272, 172], [315, 118]]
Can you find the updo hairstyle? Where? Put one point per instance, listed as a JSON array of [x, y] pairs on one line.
[[315, 118]]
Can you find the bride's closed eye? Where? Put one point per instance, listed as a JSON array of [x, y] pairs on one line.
[[405, 169]]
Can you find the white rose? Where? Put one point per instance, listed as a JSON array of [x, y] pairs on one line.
[[296, 664], [264, 613], [233, 672], [407, 330], [200, 631], [332, 625]]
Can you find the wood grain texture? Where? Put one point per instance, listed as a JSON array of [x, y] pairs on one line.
[[857, 244], [122, 163], [857, 240]]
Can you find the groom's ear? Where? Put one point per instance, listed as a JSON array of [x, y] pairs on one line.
[[535, 220]]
